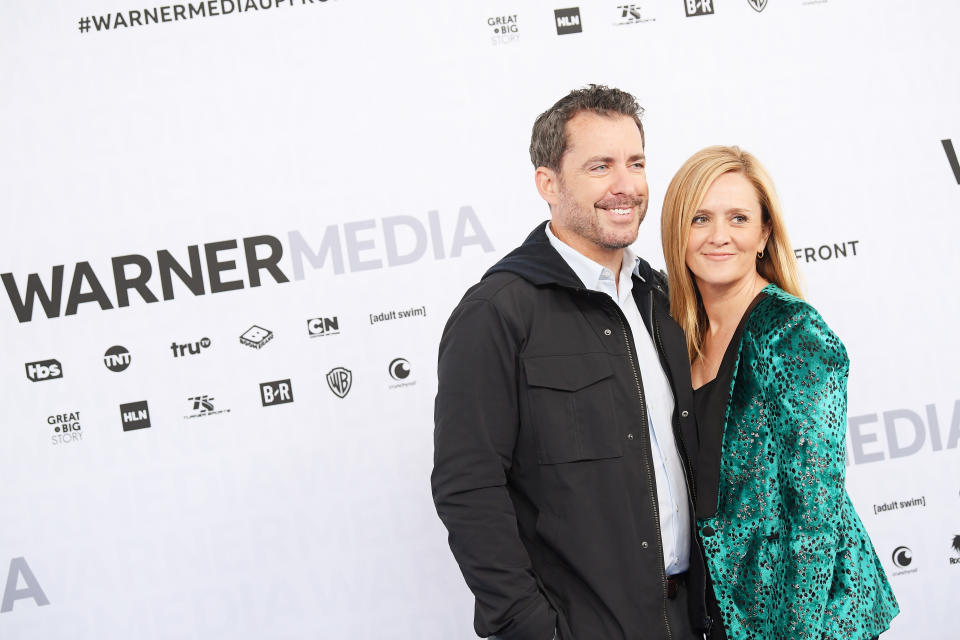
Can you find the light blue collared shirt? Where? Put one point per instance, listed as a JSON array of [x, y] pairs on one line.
[[671, 481]]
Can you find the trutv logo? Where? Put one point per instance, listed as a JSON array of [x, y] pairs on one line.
[[44, 370]]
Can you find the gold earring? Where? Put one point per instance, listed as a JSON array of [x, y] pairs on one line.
[[760, 255]]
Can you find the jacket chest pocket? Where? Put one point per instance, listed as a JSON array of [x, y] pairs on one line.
[[571, 407]]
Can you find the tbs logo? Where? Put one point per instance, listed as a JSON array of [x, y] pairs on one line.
[[276, 392], [44, 370]]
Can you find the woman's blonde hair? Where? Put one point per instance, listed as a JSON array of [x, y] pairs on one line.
[[684, 197]]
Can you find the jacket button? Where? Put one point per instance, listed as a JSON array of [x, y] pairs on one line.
[[644, 544], [629, 436], [607, 332], [684, 414], [707, 531]]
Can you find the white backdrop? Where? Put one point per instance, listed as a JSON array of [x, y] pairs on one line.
[[383, 145]]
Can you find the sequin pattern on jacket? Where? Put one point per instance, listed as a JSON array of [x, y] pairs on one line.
[[788, 554]]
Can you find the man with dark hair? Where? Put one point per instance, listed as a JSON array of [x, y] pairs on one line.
[[564, 422]]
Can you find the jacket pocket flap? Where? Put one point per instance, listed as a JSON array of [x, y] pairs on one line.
[[568, 372]]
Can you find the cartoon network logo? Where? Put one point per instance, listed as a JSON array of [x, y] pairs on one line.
[[215, 266], [900, 433]]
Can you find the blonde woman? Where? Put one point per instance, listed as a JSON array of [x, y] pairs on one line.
[[787, 553]]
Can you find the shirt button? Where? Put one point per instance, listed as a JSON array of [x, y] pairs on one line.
[[629, 436], [684, 414], [607, 332]]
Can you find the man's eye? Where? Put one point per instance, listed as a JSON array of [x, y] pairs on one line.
[[599, 167], [639, 165]]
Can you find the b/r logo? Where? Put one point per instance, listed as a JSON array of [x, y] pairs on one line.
[[698, 7], [276, 392], [44, 370]]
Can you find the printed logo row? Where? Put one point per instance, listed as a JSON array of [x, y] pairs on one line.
[[117, 358], [902, 557], [67, 427], [506, 28]]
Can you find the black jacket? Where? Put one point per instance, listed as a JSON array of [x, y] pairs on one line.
[[542, 465]]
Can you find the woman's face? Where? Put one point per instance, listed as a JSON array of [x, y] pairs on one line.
[[726, 233]]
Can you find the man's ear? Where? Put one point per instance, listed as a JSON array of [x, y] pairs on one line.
[[548, 184]]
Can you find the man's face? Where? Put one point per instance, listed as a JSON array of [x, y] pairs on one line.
[[600, 195]]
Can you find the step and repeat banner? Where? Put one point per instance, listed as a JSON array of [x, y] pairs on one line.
[[233, 231]]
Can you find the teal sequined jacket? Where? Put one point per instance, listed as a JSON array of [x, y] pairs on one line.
[[788, 555]]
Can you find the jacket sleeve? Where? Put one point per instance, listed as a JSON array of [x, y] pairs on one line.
[[805, 387], [476, 424]]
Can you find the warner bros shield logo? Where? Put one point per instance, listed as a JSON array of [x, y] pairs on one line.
[[758, 5], [340, 380]]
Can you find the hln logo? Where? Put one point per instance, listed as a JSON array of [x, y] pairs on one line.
[[44, 370], [318, 327], [276, 392], [568, 20], [698, 7], [135, 415]]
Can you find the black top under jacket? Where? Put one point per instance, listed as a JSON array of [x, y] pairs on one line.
[[542, 466]]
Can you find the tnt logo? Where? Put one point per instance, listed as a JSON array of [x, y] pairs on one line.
[[44, 370], [568, 20], [318, 327], [135, 415], [698, 7], [276, 392], [117, 358]]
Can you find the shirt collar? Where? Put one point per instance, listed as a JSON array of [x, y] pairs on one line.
[[590, 272]]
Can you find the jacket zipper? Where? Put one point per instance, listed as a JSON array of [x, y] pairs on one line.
[[645, 432], [689, 470]]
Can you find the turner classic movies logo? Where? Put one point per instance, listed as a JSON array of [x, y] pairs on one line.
[[229, 265], [66, 428], [900, 433], [19, 573], [44, 370]]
